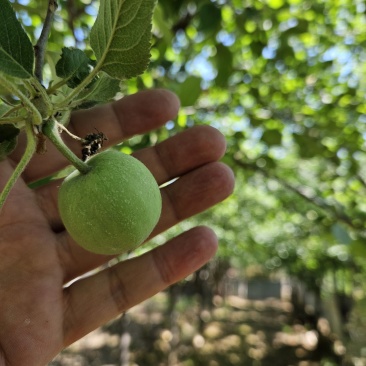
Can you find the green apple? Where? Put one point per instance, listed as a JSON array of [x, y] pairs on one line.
[[114, 207]]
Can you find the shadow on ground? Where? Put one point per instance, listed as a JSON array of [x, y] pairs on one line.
[[235, 331]]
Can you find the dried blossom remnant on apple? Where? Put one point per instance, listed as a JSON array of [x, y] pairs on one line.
[[78, 80], [92, 143]]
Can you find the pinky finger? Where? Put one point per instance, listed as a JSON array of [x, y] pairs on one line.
[[95, 300]]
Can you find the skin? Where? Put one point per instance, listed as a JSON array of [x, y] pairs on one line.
[[39, 316]]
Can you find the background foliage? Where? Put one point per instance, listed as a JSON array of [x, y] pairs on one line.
[[284, 80]]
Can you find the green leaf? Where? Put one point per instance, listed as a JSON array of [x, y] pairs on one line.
[[103, 90], [16, 50], [7, 147], [189, 91], [161, 23], [224, 62], [73, 65], [340, 234], [308, 146], [358, 249], [272, 137], [4, 108], [63, 173], [8, 139], [120, 37], [275, 4], [209, 18]]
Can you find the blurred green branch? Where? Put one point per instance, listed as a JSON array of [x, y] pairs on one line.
[[314, 200]]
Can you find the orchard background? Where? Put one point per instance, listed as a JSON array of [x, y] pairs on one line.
[[285, 82]]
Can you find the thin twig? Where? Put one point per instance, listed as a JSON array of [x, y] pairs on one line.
[[40, 47], [316, 201]]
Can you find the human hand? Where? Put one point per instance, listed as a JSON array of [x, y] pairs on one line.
[[39, 316]]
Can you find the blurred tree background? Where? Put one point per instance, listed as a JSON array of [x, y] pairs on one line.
[[284, 81]]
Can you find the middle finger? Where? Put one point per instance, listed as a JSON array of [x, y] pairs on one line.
[[193, 193], [168, 160]]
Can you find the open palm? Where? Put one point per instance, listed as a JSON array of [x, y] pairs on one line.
[[39, 316]]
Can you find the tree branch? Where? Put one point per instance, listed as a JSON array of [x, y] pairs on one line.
[[40, 47], [300, 191]]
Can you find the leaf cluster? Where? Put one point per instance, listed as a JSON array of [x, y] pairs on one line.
[[120, 49], [284, 81]]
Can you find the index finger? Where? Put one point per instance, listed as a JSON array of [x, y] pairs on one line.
[[131, 115]]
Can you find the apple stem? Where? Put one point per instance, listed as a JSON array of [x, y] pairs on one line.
[[50, 129]]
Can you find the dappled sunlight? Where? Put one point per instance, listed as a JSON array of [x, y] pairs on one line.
[[242, 303], [269, 94], [214, 330], [306, 339], [235, 331]]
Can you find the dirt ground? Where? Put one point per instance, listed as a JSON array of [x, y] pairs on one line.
[[235, 331]]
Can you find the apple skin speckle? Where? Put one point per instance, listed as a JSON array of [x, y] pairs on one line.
[[114, 207]]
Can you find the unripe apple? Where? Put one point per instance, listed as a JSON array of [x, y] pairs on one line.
[[114, 207]]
